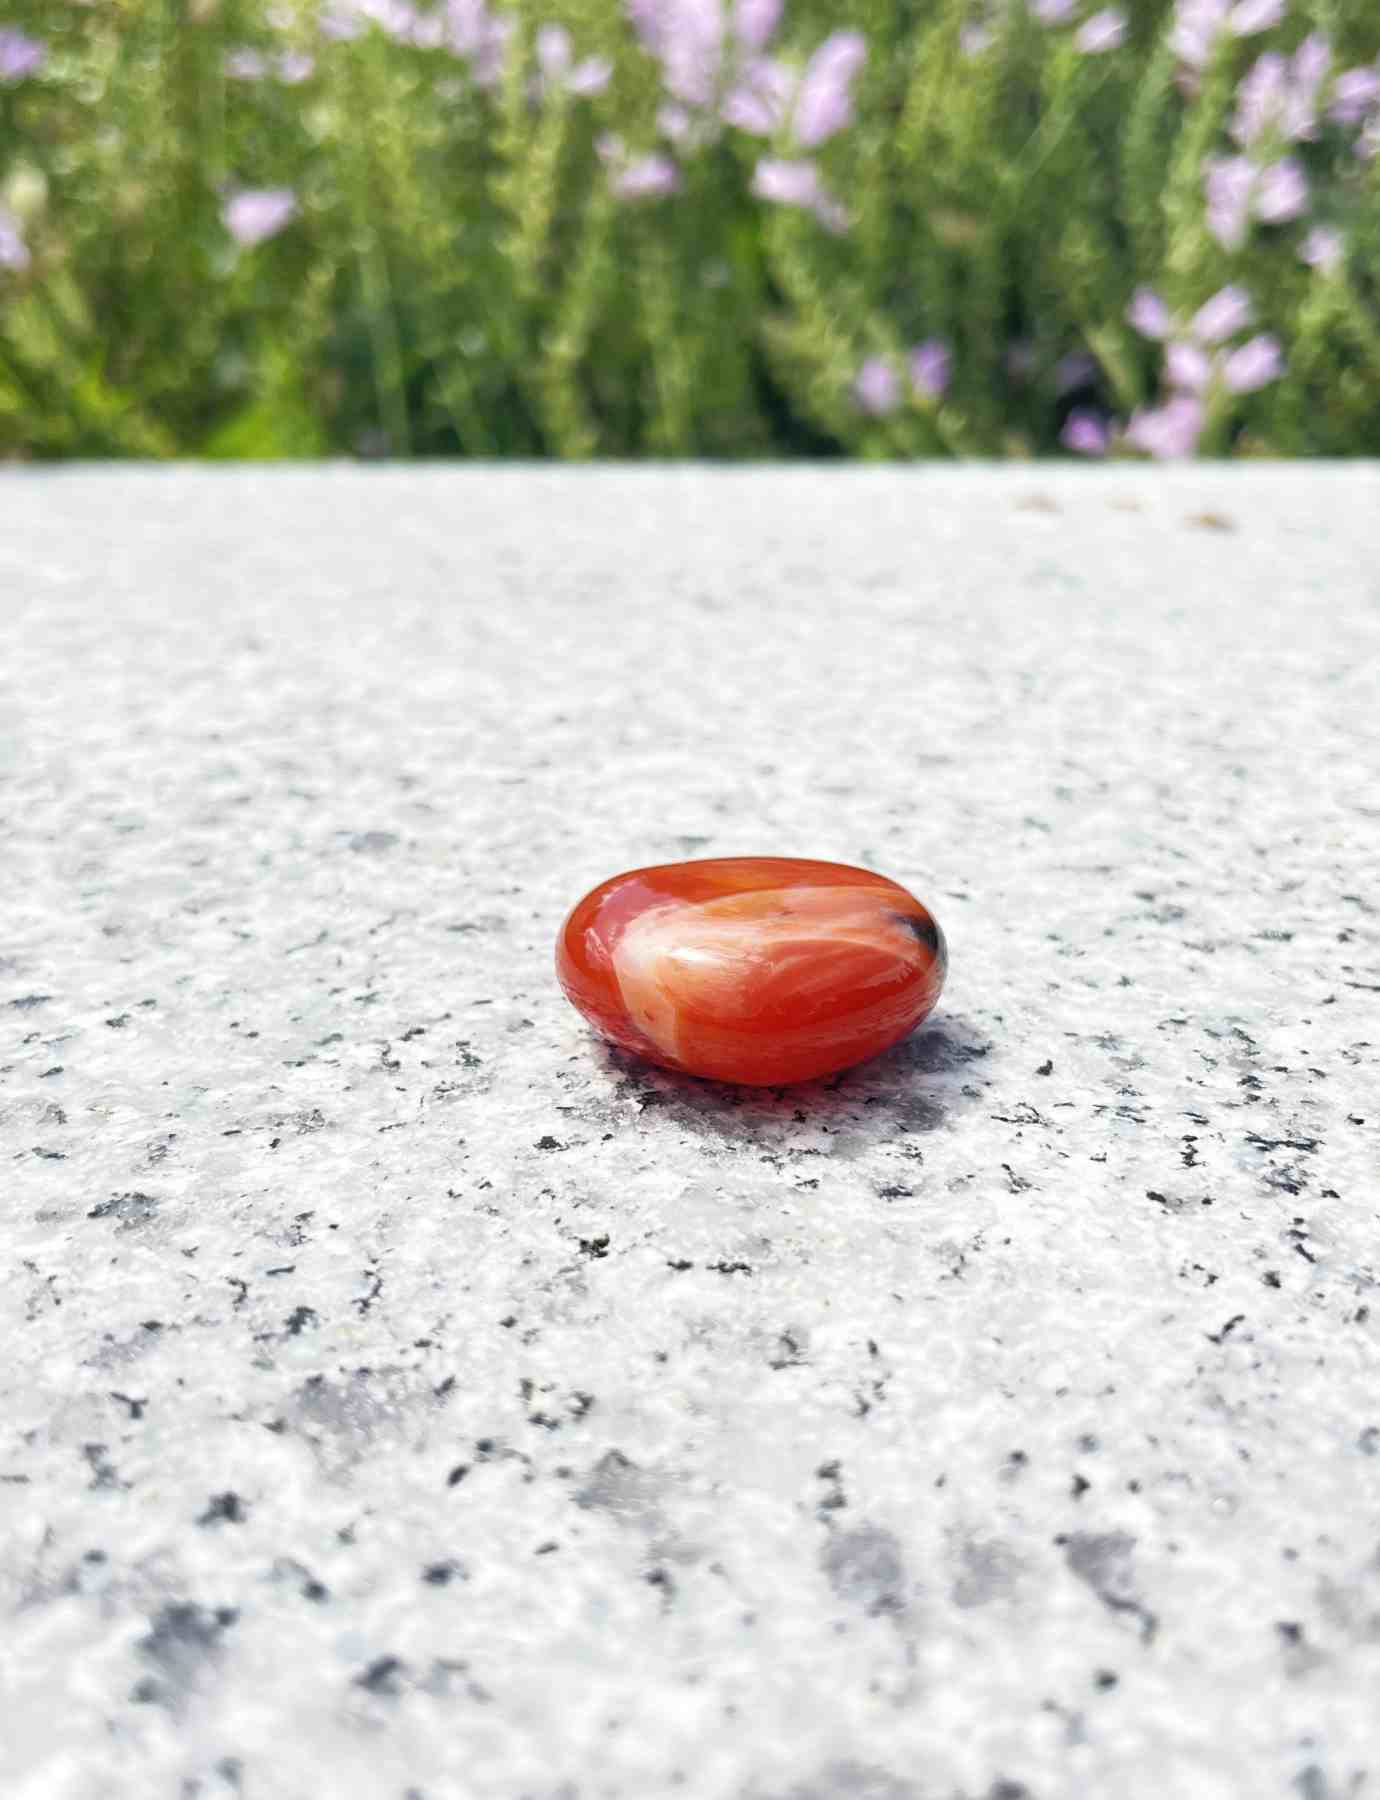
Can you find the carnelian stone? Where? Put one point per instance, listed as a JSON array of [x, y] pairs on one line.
[[758, 969]]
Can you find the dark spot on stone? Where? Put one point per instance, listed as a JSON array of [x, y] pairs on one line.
[[27, 1002], [183, 1639], [1080, 1487], [1220, 1337], [1104, 1679], [441, 1574], [1046, 1068], [1103, 1561], [865, 1565], [1369, 1441], [224, 1509], [851, 1781], [315, 1590], [372, 843], [616, 1484], [595, 1247], [457, 1474], [661, 1578], [383, 1676], [130, 1209], [298, 1320], [987, 1570], [549, 1143]]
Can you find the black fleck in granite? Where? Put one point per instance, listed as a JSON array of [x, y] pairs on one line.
[[404, 1395]]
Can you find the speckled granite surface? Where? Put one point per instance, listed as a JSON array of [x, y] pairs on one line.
[[405, 1397]]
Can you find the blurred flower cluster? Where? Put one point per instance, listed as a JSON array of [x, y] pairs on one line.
[[689, 227]]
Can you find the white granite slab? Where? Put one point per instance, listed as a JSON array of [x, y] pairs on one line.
[[404, 1396]]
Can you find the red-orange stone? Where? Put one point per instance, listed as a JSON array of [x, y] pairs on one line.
[[758, 969]]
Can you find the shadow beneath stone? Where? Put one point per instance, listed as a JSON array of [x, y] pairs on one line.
[[916, 1086]]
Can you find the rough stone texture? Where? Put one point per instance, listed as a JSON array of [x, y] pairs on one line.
[[404, 1396]]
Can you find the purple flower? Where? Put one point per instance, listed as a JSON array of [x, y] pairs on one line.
[[1230, 182], [1085, 432], [14, 252], [1169, 431], [755, 21], [466, 23], [295, 67], [796, 183], [253, 214], [469, 30], [760, 98], [1149, 314], [786, 183], [553, 50], [590, 76], [824, 103], [876, 389], [1323, 248], [1355, 94], [647, 21], [1103, 31], [1197, 26], [1187, 367], [692, 49], [20, 55], [1052, 12], [246, 65], [347, 18], [1280, 97], [646, 178], [929, 368], [675, 124], [1199, 23], [1260, 98], [1227, 312], [1236, 191], [340, 22], [486, 65], [1250, 16], [1255, 364], [1281, 193], [1312, 61]]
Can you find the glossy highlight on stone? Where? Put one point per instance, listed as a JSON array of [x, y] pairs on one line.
[[755, 969]]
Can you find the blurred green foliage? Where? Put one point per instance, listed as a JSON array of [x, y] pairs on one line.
[[462, 277]]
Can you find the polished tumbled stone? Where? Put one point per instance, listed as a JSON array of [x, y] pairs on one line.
[[752, 969]]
